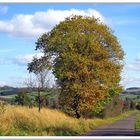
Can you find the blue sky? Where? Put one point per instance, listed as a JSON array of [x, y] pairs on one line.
[[22, 24]]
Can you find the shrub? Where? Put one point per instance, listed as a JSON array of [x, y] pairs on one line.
[[112, 109], [138, 106], [126, 104]]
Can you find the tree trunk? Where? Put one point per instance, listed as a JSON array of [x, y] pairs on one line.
[[39, 101], [77, 114]]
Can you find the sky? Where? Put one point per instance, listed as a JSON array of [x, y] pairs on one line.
[[22, 24]]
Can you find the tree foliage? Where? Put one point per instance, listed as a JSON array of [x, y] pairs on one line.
[[22, 99], [40, 68], [86, 59]]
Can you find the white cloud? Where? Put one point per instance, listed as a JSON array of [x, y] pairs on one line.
[[3, 9], [24, 59], [33, 25], [127, 80], [130, 75], [20, 59], [135, 66], [130, 81]]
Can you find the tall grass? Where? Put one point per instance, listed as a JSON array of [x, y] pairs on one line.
[[23, 121]]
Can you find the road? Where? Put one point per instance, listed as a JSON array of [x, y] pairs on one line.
[[125, 127]]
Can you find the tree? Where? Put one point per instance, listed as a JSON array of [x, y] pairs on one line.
[[40, 69], [86, 61], [127, 104], [138, 106], [132, 105], [22, 98], [30, 83]]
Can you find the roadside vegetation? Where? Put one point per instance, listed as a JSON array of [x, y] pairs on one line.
[[23, 121], [137, 124]]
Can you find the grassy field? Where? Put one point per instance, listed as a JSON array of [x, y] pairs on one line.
[[31, 95], [22, 121], [9, 96]]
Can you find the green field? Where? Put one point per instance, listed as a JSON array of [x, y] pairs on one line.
[[33, 95], [8, 96]]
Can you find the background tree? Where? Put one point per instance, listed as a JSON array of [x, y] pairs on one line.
[[87, 62], [22, 98], [138, 106], [127, 104], [113, 108], [30, 83], [132, 105], [40, 68]]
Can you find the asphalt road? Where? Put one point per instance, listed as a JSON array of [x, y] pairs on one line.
[[125, 127]]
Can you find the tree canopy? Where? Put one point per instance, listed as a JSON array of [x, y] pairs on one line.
[[86, 59]]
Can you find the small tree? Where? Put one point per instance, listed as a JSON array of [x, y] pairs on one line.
[[39, 68], [127, 103], [30, 83]]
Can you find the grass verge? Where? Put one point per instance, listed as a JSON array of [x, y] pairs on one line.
[[137, 125], [22, 121]]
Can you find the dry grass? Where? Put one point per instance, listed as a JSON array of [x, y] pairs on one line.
[[16, 120]]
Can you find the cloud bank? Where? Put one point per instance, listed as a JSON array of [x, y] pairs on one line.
[[24, 59], [33, 25]]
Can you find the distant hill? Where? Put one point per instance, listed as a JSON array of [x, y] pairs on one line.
[[132, 90], [7, 90], [132, 93]]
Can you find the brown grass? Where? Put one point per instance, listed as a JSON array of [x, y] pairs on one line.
[[16, 120]]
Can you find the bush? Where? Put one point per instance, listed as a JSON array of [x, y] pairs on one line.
[[138, 106], [112, 109], [127, 104], [22, 99], [132, 105]]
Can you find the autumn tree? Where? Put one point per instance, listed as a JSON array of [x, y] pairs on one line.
[[86, 61]]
